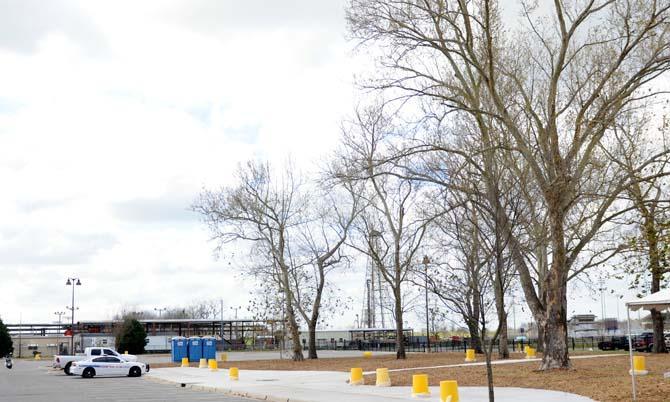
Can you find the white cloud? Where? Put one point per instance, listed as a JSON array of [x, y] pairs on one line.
[[110, 127]]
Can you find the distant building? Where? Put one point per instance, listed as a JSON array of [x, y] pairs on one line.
[[583, 325]]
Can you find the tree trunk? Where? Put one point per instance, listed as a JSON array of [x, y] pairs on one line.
[[399, 333], [489, 377], [656, 277], [312, 341], [659, 337], [540, 338], [475, 339], [503, 348], [554, 325], [295, 333]]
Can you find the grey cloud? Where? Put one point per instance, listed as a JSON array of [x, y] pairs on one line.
[[216, 15], [36, 246], [23, 23], [168, 209]]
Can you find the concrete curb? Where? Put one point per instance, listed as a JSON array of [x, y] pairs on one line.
[[225, 391]]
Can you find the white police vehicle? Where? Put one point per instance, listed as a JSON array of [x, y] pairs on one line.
[[108, 366]]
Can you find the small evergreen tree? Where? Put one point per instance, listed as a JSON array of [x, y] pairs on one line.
[[6, 345], [132, 337]]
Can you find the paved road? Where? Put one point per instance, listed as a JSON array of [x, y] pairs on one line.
[[34, 381]]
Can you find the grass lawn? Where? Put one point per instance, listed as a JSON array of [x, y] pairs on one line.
[[603, 378]]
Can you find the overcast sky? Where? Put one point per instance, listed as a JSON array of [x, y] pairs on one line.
[[113, 115]]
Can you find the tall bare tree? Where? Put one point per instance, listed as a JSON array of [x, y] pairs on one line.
[[264, 210], [586, 63], [322, 240], [392, 227], [650, 214]]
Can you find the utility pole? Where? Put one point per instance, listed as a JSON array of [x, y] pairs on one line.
[[426, 261], [602, 303], [60, 315]]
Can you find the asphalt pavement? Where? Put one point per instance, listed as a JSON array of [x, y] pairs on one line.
[[36, 381]]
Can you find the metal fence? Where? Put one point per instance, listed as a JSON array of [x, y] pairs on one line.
[[584, 343]]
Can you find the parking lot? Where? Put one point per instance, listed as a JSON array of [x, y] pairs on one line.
[[35, 381]]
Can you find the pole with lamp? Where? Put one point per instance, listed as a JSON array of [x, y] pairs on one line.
[[72, 282], [426, 261], [60, 315], [160, 311]]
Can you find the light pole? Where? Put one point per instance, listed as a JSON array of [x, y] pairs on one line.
[[426, 261], [60, 315], [72, 282], [160, 311]]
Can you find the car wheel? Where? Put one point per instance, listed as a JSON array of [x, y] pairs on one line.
[[135, 372], [89, 372], [67, 368]]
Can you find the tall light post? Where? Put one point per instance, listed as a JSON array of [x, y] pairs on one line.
[[426, 261], [160, 311], [72, 282], [60, 316]]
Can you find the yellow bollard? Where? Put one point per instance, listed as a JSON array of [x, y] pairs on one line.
[[367, 355], [224, 357], [448, 391], [470, 355], [184, 362], [420, 385], [356, 376], [213, 365], [234, 373], [530, 353], [203, 363], [383, 379], [125, 353], [639, 365]]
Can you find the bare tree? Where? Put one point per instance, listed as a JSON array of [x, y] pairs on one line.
[[650, 214], [264, 210], [586, 63], [322, 240], [392, 227]]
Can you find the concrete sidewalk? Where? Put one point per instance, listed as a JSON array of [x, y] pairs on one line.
[[330, 386]]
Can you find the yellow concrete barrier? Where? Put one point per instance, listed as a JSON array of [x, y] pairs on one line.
[[184, 362], [234, 373], [420, 385], [383, 378], [213, 365], [470, 355], [448, 391], [203, 363], [367, 355], [224, 357], [639, 365], [356, 376]]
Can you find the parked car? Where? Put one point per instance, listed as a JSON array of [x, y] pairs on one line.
[[65, 362], [108, 366], [644, 342], [616, 342]]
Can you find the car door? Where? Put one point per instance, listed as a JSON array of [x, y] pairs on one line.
[[115, 365]]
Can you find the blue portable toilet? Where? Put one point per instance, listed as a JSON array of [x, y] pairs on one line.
[[194, 349], [209, 347], [179, 348]]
